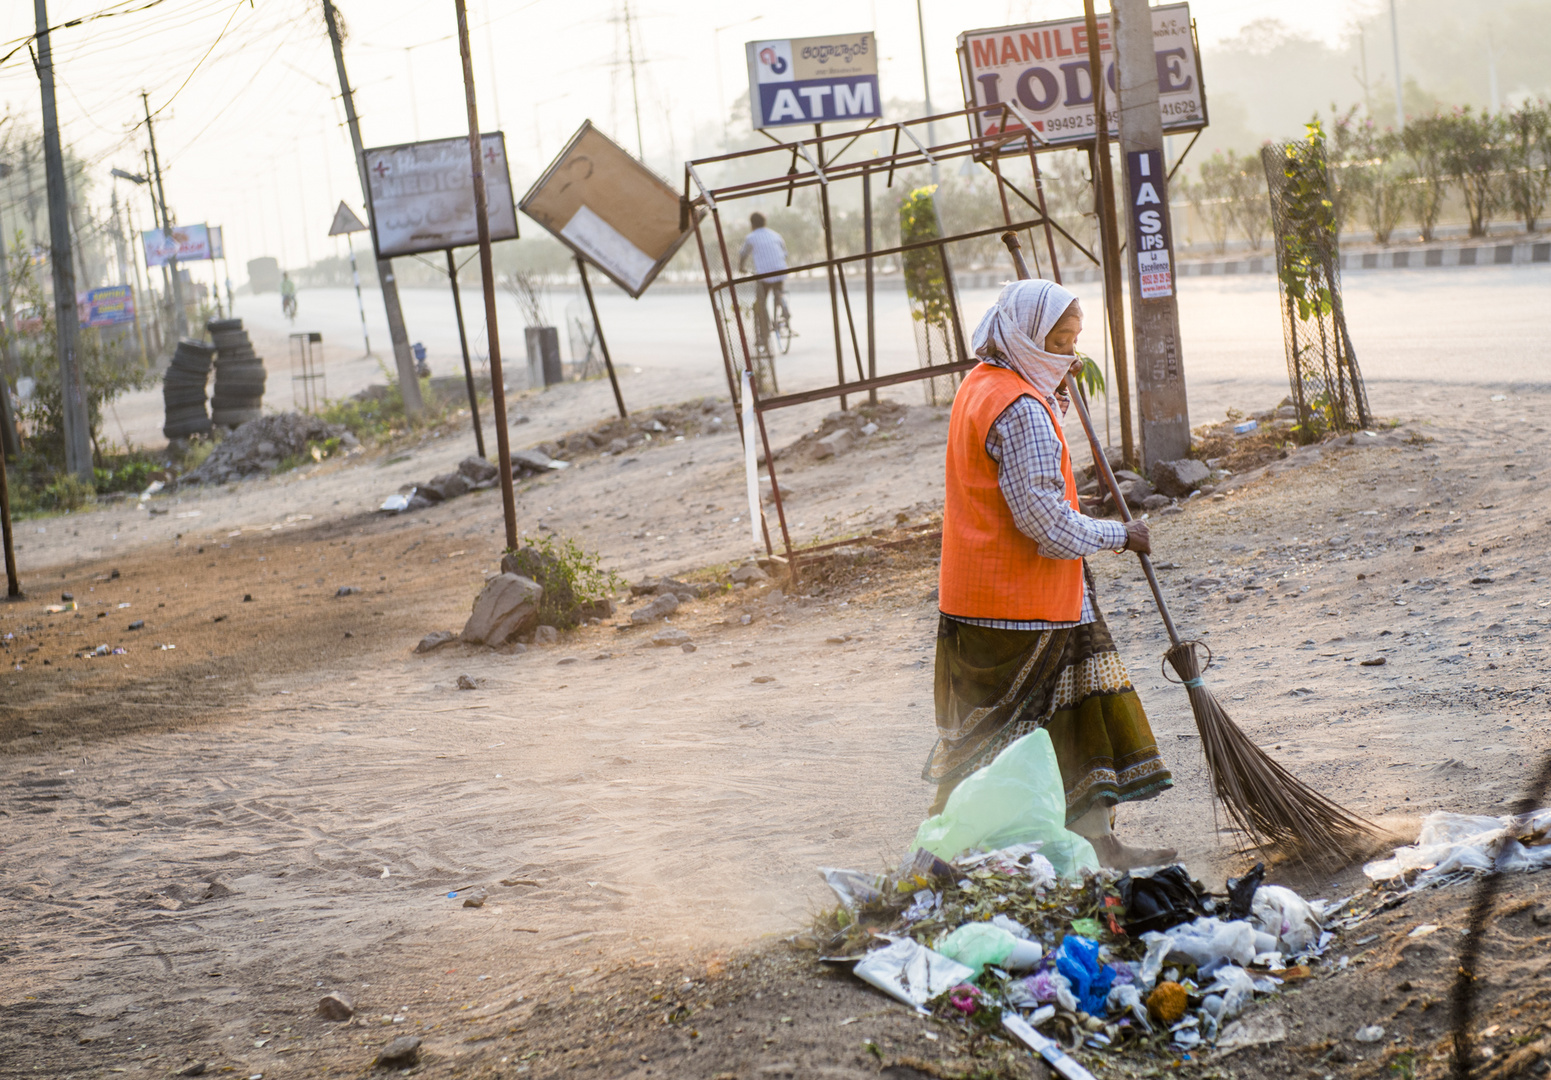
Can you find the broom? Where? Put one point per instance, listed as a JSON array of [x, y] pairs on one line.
[[1272, 807]]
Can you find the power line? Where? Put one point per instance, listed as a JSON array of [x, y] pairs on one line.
[[236, 8]]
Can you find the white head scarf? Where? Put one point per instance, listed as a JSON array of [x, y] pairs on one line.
[[1015, 329]]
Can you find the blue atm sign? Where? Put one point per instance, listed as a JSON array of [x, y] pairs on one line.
[[813, 80]]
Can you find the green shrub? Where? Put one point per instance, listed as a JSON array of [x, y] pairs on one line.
[[572, 577]]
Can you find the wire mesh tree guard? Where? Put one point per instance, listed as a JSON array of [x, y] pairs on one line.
[[819, 166], [1327, 387]]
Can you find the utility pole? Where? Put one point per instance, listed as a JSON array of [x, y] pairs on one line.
[[1394, 40], [409, 382], [926, 83], [179, 312], [635, 94], [77, 424], [1109, 233], [1160, 379]]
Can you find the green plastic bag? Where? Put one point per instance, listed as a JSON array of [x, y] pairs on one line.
[[982, 944], [1017, 799]]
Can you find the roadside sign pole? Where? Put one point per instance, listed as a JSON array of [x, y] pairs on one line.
[[180, 313], [1162, 406], [597, 324], [1103, 178], [355, 276], [487, 280], [468, 366]]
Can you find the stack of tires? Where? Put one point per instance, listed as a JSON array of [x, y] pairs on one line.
[[239, 375], [183, 390]]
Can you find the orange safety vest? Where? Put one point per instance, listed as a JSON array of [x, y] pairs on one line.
[[989, 569]]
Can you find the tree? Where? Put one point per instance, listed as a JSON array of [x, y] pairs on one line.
[[1470, 154], [1423, 140], [1526, 143], [1378, 181], [1211, 198]]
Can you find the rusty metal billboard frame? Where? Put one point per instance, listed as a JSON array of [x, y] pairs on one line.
[[819, 161]]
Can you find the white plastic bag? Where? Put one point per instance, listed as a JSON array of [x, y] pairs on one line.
[[1017, 799], [1205, 943], [1287, 917], [910, 972], [1464, 843]]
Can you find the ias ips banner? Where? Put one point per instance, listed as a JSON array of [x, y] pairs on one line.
[[814, 80], [1043, 69], [112, 306]]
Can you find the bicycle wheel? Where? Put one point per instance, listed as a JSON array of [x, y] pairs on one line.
[[784, 332]]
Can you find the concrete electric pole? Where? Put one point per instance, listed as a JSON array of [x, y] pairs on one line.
[[77, 424], [409, 382], [1155, 352], [179, 312]]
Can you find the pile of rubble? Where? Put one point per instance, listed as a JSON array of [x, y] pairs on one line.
[[472, 474], [843, 430], [259, 446], [708, 416]]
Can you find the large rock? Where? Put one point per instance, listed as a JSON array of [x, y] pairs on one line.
[[508, 606], [401, 1053], [1178, 479], [1135, 492], [447, 486], [476, 470], [531, 461], [665, 604], [836, 442]]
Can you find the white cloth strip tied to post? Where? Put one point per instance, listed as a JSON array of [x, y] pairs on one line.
[[750, 457]]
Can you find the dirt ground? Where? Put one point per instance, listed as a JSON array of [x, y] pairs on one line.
[[197, 842]]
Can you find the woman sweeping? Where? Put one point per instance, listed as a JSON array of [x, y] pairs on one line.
[[1021, 644]]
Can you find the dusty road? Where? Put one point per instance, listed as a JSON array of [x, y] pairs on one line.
[[198, 841]]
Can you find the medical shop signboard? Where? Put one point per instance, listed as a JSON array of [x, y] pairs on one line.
[[421, 195], [1042, 68], [813, 80]]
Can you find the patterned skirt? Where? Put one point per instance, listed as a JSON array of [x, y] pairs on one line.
[[995, 686]]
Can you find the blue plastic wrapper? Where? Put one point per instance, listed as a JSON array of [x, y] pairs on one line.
[[1078, 960]]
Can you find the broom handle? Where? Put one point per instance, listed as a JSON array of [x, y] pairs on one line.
[[1100, 460]]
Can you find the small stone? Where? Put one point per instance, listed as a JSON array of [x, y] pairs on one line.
[[400, 1053], [247, 598], [749, 574], [688, 646], [545, 635], [1155, 502], [1374, 661], [671, 635], [1179, 478], [532, 461], [196, 1069], [138, 624], [477, 470], [764, 678], [475, 899], [665, 604], [836, 442], [467, 682], [216, 891], [618, 446], [346, 590], [435, 640], [447, 486], [335, 1006], [1370, 1034]]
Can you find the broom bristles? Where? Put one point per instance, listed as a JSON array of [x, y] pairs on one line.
[[1262, 799]]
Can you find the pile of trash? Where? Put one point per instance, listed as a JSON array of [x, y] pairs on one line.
[[1452, 847], [472, 474], [1001, 919], [259, 446]]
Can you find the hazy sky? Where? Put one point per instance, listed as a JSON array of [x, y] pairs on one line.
[[251, 136]]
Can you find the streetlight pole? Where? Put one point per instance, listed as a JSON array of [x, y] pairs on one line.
[[1394, 40], [926, 83], [180, 314]]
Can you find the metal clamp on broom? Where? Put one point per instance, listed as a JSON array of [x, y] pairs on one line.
[[1272, 807]]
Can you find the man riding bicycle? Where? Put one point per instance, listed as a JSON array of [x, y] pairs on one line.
[[287, 295], [769, 252]]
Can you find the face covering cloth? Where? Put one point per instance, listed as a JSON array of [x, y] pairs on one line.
[[1015, 329]]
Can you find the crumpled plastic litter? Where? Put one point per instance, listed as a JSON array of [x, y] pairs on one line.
[[1208, 943], [1017, 859], [396, 503], [908, 971], [1287, 917], [1452, 844], [1160, 900], [852, 886], [1236, 988], [1125, 997], [1049, 985], [1017, 799], [923, 903], [983, 944], [1241, 891], [1078, 960], [1012, 926]]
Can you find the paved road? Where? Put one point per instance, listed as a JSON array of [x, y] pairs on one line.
[[1479, 327]]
